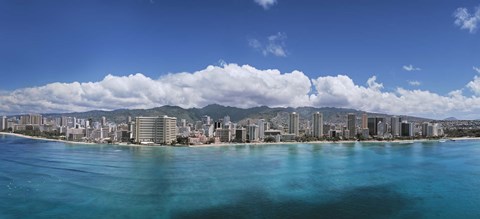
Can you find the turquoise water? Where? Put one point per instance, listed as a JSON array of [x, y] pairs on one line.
[[41, 179]]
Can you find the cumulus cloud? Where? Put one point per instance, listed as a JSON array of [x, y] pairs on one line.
[[229, 84], [273, 45], [465, 20], [474, 85], [266, 4], [414, 83], [411, 68], [240, 86]]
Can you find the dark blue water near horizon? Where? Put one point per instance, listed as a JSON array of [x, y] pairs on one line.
[[43, 179]]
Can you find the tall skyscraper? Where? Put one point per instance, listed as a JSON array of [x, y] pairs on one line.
[[241, 135], [317, 124], [159, 130], [364, 121], [261, 129], [253, 133], [381, 128], [3, 123], [293, 124], [407, 129], [351, 124], [104, 121], [395, 125], [372, 125], [427, 129]]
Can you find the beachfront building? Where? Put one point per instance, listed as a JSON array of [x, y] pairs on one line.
[[395, 126], [351, 124], [373, 125], [293, 124], [407, 129], [223, 134], [364, 121], [253, 133], [317, 125], [3, 123], [241, 135], [261, 129], [31, 119], [158, 130]]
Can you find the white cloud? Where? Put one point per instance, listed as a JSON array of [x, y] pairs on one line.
[[465, 20], [477, 69], [414, 83], [266, 4], [230, 84], [274, 45], [240, 86], [474, 85], [411, 68]]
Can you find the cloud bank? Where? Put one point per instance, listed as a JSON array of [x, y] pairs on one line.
[[240, 86]]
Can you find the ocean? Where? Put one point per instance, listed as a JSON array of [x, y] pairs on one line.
[[44, 179]]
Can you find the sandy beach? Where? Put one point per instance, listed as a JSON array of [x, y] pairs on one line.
[[46, 139], [245, 144]]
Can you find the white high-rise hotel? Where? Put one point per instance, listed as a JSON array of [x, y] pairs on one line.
[[293, 124], [158, 130], [317, 124]]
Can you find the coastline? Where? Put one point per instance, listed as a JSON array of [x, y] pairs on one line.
[[46, 139], [248, 144]]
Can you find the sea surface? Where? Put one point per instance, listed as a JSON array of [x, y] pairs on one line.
[[43, 179]]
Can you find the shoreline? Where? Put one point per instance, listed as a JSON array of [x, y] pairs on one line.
[[398, 141]]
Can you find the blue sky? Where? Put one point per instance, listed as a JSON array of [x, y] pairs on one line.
[[43, 42]]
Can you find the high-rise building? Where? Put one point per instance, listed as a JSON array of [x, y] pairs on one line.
[[351, 124], [317, 124], [224, 134], [253, 133], [293, 124], [104, 121], [372, 125], [364, 121], [183, 123], [158, 130], [3, 123], [261, 129], [407, 129], [395, 125], [31, 119], [425, 126], [241, 135], [381, 128]]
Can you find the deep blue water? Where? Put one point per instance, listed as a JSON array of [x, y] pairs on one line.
[[41, 179]]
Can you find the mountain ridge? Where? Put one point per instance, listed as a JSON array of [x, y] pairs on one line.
[[216, 112]]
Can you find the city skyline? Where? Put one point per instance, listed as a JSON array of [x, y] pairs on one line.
[[278, 53]]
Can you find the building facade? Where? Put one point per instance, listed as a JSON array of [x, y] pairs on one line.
[[293, 124], [317, 125], [158, 130], [351, 124]]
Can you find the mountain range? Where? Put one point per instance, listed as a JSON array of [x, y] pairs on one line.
[[216, 112]]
